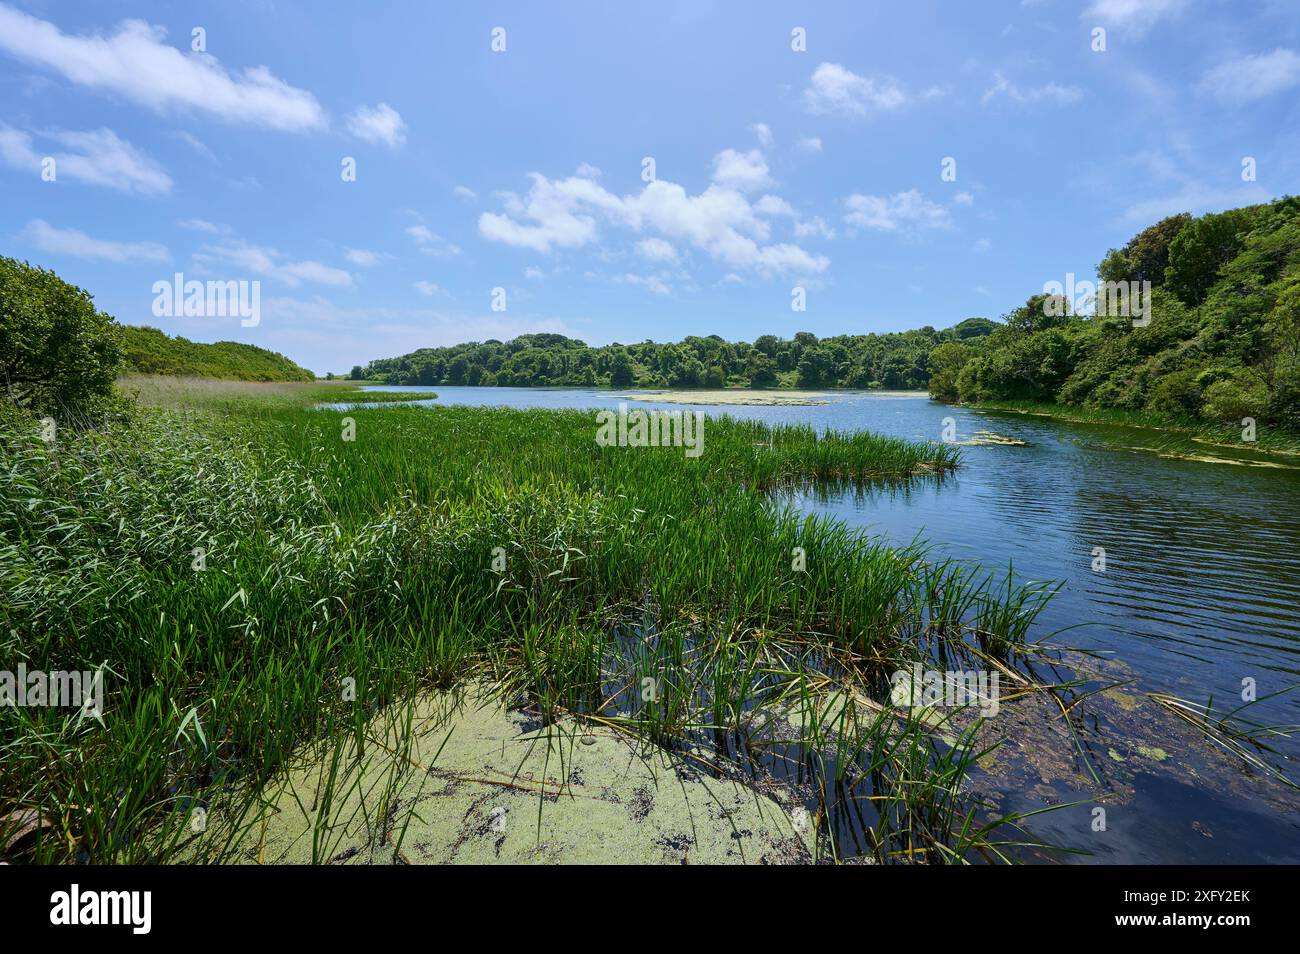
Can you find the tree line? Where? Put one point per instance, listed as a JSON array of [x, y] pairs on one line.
[[897, 361]]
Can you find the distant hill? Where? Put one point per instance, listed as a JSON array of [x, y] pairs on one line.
[[150, 351]]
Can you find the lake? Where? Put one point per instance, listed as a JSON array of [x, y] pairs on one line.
[[1200, 591]]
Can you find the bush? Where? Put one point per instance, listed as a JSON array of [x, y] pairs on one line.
[[58, 354], [1231, 399], [1176, 393]]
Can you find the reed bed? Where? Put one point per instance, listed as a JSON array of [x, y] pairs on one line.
[[229, 560]]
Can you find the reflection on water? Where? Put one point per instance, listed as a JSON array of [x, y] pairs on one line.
[[1201, 586]]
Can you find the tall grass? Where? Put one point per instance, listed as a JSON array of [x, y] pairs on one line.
[[231, 561]]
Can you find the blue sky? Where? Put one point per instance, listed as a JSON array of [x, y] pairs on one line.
[[523, 169]]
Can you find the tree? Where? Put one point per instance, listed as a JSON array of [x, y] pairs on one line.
[[621, 374], [946, 362], [761, 370], [1146, 256], [58, 353], [1200, 249], [816, 367], [358, 373]]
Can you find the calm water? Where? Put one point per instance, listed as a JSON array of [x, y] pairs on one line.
[[1202, 581]]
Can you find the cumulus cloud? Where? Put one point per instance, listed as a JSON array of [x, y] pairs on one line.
[[269, 263], [903, 211], [567, 213], [1253, 77], [743, 171], [834, 89], [97, 157], [135, 63], [816, 226], [378, 124], [657, 250], [1053, 93], [78, 244], [775, 205], [764, 134]]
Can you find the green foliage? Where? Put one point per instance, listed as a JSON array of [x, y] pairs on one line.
[[58, 354], [855, 361], [1222, 342], [1146, 256], [946, 362], [233, 569], [150, 351], [1200, 249]]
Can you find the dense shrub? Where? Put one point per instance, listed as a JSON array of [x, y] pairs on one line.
[[59, 355]]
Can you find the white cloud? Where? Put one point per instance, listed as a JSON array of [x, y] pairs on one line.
[[197, 144], [261, 260], [362, 257], [80, 245], [810, 144], [775, 205], [466, 193], [981, 246], [378, 124], [646, 281], [903, 211], [564, 214], [533, 273], [1136, 16], [133, 62], [587, 171], [743, 171], [202, 225], [96, 156], [1050, 93], [657, 250], [834, 89], [431, 243], [1253, 77], [427, 289], [963, 198], [815, 226], [764, 134]]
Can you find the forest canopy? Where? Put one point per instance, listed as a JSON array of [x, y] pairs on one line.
[[899, 360]]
